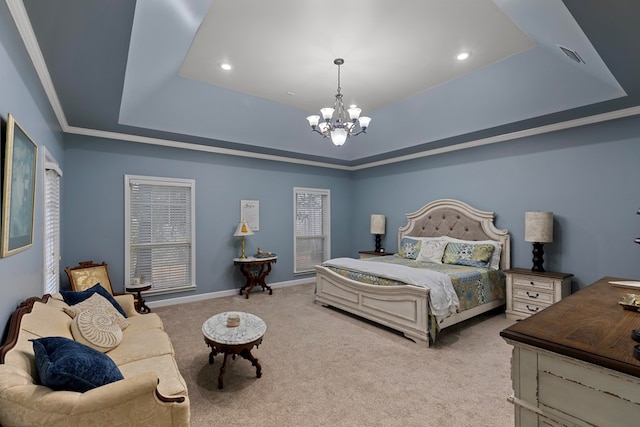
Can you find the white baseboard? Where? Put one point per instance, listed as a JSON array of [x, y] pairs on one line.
[[225, 293]]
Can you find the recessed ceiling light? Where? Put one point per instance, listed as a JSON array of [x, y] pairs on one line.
[[462, 56], [225, 66]]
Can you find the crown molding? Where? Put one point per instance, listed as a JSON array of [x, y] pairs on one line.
[[20, 17], [198, 147], [583, 121]]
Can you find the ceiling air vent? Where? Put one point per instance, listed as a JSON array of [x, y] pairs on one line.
[[571, 54]]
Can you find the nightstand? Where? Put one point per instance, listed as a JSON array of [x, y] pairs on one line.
[[373, 254], [528, 291]]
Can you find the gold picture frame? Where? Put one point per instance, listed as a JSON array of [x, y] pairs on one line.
[[19, 162]]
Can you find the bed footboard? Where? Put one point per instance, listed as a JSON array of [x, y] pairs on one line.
[[404, 308]]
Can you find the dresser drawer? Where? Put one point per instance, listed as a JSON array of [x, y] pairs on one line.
[[533, 281], [528, 307], [533, 294]]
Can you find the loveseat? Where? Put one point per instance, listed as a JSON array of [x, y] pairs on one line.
[[151, 393]]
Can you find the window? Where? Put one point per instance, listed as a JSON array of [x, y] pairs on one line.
[[160, 232], [312, 228], [52, 178]]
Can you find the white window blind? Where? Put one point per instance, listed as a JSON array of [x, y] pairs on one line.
[[160, 232], [52, 176], [311, 229]]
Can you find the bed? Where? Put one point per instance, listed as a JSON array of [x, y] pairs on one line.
[[409, 308]]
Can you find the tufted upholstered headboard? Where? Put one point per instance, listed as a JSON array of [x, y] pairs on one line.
[[453, 218]]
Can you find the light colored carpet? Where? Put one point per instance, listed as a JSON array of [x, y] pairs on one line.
[[322, 367]]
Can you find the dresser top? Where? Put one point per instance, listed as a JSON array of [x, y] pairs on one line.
[[588, 325]]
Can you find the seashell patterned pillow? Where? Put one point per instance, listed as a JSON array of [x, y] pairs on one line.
[[96, 328]]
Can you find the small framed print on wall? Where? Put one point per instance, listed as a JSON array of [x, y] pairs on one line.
[[250, 212], [19, 161]]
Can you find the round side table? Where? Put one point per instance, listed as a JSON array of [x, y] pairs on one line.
[[256, 271], [234, 340], [141, 307]]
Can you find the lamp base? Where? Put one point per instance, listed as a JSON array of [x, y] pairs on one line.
[[538, 257], [243, 256], [378, 243]]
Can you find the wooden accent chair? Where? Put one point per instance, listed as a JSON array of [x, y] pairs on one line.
[[87, 274]]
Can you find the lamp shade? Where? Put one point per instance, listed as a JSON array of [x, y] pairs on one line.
[[243, 229], [377, 224], [538, 227]]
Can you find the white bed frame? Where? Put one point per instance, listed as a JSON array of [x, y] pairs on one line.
[[405, 308]]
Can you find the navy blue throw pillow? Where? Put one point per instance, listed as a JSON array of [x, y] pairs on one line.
[[72, 297], [64, 364]]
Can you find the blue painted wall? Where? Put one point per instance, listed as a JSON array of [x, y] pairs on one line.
[[21, 275], [94, 205], [588, 176]]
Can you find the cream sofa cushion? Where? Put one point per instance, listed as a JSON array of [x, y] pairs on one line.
[[145, 321], [47, 321], [139, 344], [171, 381]]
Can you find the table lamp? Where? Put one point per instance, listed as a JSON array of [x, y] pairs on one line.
[[377, 228], [243, 230], [538, 229]]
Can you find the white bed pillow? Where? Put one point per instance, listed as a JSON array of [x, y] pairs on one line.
[[494, 264], [432, 250]]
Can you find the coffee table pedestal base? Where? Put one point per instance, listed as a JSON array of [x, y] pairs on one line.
[[242, 350]]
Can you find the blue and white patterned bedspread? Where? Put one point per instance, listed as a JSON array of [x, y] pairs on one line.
[[443, 300]]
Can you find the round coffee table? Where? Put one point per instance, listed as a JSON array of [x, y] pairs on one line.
[[238, 340]]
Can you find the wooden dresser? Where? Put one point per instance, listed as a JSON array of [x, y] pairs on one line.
[[573, 362]]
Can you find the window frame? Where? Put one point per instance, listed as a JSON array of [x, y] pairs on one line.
[[52, 252], [160, 181], [326, 232]]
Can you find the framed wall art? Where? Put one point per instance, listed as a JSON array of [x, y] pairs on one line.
[[19, 161], [250, 212]]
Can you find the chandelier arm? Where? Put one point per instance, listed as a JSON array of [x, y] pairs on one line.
[[315, 129]]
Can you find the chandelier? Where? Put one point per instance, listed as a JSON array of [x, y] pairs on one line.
[[335, 123]]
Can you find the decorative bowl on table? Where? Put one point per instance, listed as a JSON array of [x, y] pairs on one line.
[[233, 320], [265, 255]]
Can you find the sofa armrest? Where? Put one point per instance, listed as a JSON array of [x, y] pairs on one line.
[[33, 404], [127, 302], [43, 399]]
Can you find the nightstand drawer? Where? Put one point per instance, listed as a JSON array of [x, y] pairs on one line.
[[528, 307], [533, 281], [533, 294]]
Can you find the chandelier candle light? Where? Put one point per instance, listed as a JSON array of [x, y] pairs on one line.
[[538, 228], [377, 228], [335, 123], [243, 230]]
